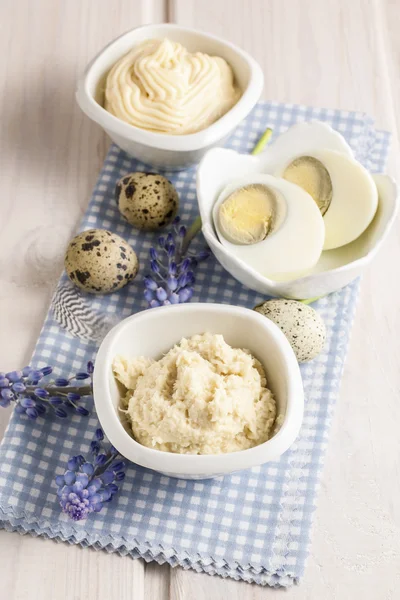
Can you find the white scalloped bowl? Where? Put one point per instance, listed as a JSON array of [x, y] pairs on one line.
[[157, 149], [155, 331], [336, 268]]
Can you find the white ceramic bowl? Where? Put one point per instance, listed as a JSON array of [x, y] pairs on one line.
[[336, 268], [152, 333], [169, 151]]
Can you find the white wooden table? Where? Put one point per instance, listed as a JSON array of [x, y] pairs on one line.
[[321, 52]]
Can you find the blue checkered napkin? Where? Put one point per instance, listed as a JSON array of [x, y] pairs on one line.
[[253, 525]]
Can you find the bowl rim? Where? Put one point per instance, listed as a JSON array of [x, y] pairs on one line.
[[210, 464], [186, 142], [208, 231]]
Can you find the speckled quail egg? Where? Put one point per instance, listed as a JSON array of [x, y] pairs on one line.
[[300, 323], [99, 261], [147, 200]]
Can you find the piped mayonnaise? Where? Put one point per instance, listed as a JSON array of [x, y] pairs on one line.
[[162, 87]]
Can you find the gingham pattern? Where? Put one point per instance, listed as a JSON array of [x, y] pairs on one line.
[[253, 525]]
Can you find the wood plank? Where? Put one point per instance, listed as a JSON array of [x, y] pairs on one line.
[[335, 53], [157, 581], [50, 156], [391, 41]]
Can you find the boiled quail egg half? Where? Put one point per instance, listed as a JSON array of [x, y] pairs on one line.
[[271, 224], [342, 188]]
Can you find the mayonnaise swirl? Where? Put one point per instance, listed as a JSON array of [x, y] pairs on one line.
[[161, 87]]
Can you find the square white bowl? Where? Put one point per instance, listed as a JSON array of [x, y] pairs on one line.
[[169, 151], [155, 331], [336, 268]]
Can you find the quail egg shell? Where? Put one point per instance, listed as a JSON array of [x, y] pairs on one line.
[[148, 201], [282, 233], [99, 261], [301, 324], [342, 188]]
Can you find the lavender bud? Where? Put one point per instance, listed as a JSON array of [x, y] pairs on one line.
[[83, 479], [161, 294], [95, 497], [203, 255], [14, 376], [172, 268], [81, 376], [32, 413], [118, 466], [182, 231], [94, 447], [185, 265], [185, 294], [78, 487], [90, 367], [4, 403], [153, 254], [40, 408], [105, 495], [56, 400], [149, 295], [154, 304], [60, 481], [61, 382], [7, 394], [69, 477], [166, 303], [27, 402], [170, 238], [113, 488], [172, 283], [36, 375], [99, 434], [81, 410], [107, 477], [171, 250], [41, 393], [154, 266], [60, 412], [150, 284], [26, 371], [101, 459], [176, 220], [120, 476], [173, 298], [190, 278], [73, 463], [47, 371], [4, 383], [182, 280], [96, 483], [18, 387], [73, 396], [161, 241]]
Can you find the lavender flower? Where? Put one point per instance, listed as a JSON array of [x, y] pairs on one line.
[[34, 400], [86, 486], [172, 273]]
